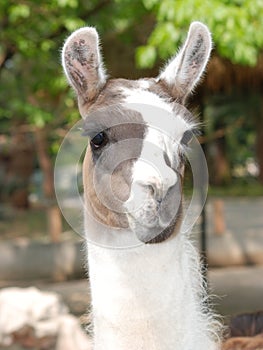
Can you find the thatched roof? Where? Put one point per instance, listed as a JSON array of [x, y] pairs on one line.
[[223, 76]]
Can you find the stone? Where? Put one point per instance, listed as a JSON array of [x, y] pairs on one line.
[[32, 319]]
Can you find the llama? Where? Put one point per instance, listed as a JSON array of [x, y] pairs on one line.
[[149, 296]]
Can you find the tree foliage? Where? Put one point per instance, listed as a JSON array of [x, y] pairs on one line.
[[34, 90], [236, 25], [32, 32]]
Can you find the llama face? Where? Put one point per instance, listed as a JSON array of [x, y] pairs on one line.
[[137, 132], [154, 204]]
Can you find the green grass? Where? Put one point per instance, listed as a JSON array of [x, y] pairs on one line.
[[249, 188], [237, 188]]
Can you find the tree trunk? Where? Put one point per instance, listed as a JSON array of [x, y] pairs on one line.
[[53, 213], [220, 172], [259, 144], [18, 166]]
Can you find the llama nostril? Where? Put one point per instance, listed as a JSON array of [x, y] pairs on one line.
[[156, 191], [158, 187], [151, 190], [159, 203]]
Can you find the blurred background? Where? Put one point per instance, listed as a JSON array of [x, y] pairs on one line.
[[37, 108]]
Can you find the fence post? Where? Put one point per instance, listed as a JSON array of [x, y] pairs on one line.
[[219, 217]]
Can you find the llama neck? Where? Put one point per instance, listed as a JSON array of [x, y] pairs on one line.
[[148, 297]]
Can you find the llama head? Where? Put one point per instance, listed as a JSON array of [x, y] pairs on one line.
[[137, 132]]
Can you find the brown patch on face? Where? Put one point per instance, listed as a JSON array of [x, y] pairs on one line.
[[112, 94], [107, 171], [100, 211], [164, 91], [160, 89]]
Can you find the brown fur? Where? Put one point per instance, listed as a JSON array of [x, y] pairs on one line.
[[111, 94], [248, 324], [245, 332], [99, 211], [244, 343], [131, 127]]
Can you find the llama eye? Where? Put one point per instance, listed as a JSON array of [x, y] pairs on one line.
[[99, 140]]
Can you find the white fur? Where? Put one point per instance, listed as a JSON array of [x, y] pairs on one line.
[[143, 97], [165, 129], [150, 169], [157, 113], [149, 298]]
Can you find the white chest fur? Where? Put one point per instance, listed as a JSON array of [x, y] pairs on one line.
[[148, 298]]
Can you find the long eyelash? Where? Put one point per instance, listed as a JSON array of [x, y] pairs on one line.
[[184, 147], [196, 131], [92, 128]]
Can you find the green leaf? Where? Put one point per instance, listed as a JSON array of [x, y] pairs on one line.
[[146, 56], [18, 11], [149, 4], [73, 23], [236, 26], [67, 3]]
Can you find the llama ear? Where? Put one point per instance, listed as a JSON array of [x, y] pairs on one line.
[[184, 70], [82, 63]]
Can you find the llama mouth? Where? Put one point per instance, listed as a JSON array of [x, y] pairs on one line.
[[157, 224], [149, 216], [156, 234], [169, 230]]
